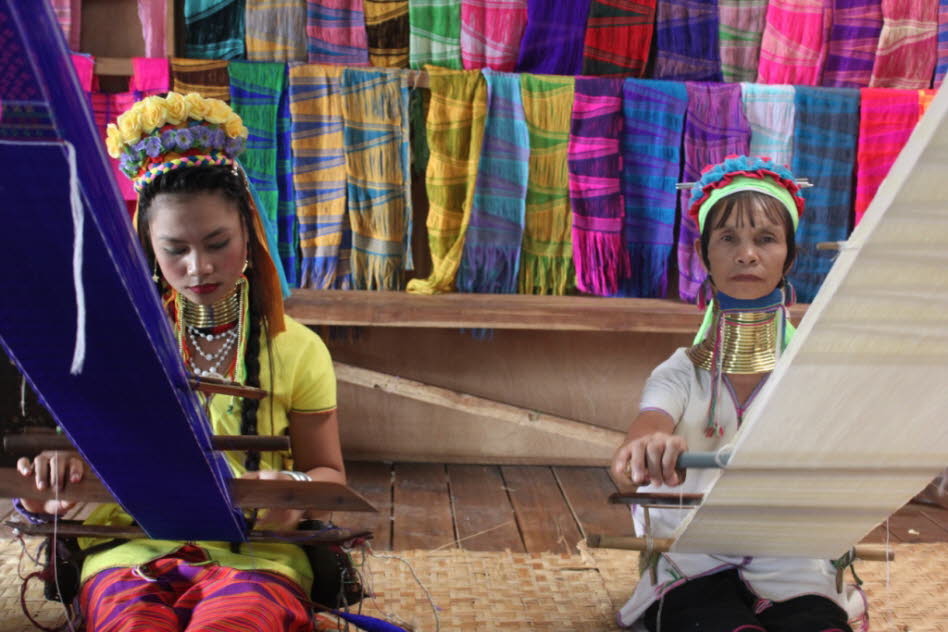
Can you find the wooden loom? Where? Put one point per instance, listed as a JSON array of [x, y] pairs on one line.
[[83, 325], [849, 427]]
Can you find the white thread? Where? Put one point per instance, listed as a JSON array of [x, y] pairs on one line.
[[75, 201], [434, 608], [887, 556], [23, 396]]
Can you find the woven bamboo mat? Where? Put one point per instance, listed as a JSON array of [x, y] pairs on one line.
[[523, 591]]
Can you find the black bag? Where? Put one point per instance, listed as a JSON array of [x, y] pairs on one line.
[[336, 584], [63, 568]]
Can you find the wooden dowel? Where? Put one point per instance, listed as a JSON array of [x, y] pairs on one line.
[[664, 500], [224, 387], [246, 493], [869, 552], [34, 443]]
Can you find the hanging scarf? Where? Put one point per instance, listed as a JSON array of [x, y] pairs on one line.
[[595, 166], [435, 34], [793, 46], [546, 262], [491, 32], [553, 40], [907, 45], [207, 77], [455, 136], [335, 33], [319, 175], [214, 29], [853, 39], [769, 110], [287, 226], [715, 127], [942, 45], [618, 37], [153, 14], [386, 27], [149, 76], [69, 16], [824, 150], [276, 30], [85, 70], [491, 259], [742, 26], [886, 120], [686, 40], [654, 114], [375, 133]]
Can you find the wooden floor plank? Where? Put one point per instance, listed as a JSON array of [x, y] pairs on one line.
[[587, 491], [910, 524], [878, 536], [374, 481], [483, 515], [422, 512], [938, 515], [545, 520]]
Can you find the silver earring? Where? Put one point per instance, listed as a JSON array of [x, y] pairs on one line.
[[154, 272]]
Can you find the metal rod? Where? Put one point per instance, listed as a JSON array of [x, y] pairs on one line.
[[34, 443], [703, 460]]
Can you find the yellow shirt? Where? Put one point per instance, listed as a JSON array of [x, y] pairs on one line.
[[303, 381]]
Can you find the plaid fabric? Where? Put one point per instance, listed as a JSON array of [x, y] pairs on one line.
[[793, 47], [434, 33], [618, 37], [554, 38], [287, 225], [276, 30], [686, 40], [214, 29], [595, 166], [386, 26], [335, 33], [209, 78], [769, 110], [319, 176], [654, 113], [715, 127], [491, 257], [546, 261], [741, 28], [378, 178], [853, 39], [824, 150], [491, 31], [907, 45], [455, 136]]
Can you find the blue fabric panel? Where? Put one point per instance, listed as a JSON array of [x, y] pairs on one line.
[[129, 411]]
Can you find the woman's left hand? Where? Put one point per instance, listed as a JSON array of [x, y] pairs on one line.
[[273, 519]]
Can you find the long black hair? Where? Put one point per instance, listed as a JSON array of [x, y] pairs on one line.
[[228, 183]]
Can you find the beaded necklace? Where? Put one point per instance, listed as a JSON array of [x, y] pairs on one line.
[[225, 320]]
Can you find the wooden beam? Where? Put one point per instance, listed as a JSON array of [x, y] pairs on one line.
[[114, 66], [34, 443], [246, 493], [464, 402]]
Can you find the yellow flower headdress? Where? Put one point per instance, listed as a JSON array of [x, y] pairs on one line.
[[160, 134]]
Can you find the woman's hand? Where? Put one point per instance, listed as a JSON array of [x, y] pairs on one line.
[[273, 519], [51, 470], [650, 459]]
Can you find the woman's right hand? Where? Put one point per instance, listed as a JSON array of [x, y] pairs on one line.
[[650, 460], [51, 470]]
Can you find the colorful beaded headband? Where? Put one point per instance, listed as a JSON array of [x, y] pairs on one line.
[[161, 134]]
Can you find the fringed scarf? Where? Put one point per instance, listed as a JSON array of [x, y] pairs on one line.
[[618, 37], [455, 136], [491, 260], [375, 136], [335, 33], [491, 32], [546, 262], [207, 77], [276, 30], [742, 26], [686, 40], [654, 114], [153, 14], [595, 167], [824, 150], [554, 38], [942, 46], [907, 45], [386, 27], [715, 127], [853, 40], [319, 176], [435, 33], [69, 16], [288, 233], [769, 110], [793, 47], [214, 29], [886, 120]]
